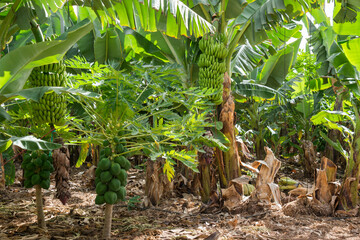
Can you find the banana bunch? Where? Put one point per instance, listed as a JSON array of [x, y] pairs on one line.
[[51, 108], [212, 64], [48, 75]]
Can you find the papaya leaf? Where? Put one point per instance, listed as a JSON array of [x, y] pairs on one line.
[[16, 66], [188, 158], [169, 170]]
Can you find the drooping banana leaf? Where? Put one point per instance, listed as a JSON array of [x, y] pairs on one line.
[[352, 50], [30, 143], [173, 17], [267, 14], [250, 89], [248, 57], [277, 66], [16, 66]]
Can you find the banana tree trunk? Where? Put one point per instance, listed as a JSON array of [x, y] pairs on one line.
[[228, 162], [157, 185], [349, 198], [2, 181], [205, 179], [207, 174], [334, 134], [349, 192]]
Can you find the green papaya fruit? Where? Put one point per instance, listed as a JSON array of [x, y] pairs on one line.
[[99, 199], [106, 177], [121, 193], [44, 174], [104, 164], [35, 179], [115, 169], [110, 197], [114, 185], [101, 188], [45, 184]]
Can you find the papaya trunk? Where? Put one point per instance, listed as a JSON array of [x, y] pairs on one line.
[[229, 159], [108, 220], [39, 208]]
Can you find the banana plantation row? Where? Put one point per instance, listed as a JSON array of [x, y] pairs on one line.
[[212, 91]]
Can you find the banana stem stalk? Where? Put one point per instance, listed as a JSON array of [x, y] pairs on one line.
[[35, 28]]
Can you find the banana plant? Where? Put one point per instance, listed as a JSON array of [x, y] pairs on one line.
[[341, 67], [348, 198]]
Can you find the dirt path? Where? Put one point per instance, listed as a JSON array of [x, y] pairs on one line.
[[175, 218]]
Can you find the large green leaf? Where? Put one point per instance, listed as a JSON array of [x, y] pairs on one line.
[[283, 33], [4, 115], [333, 116], [345, 22], [277, 66], [346, 11], [266, 14], [329, 54], [44, 8], [248, 57], [16, 66], [352, 50], [336, 145], [249, 89], [4, 145], [234, 8], [6, 23], [31, 143], [172, 17], [20, 13], [149, 43], [37, 92], [108, 47]]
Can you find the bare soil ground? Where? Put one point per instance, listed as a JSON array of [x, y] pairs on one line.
[[178, 217]]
